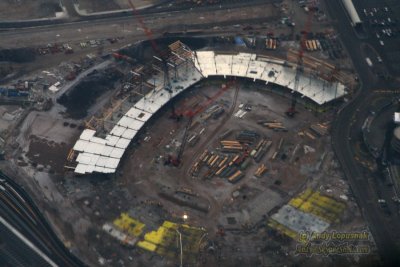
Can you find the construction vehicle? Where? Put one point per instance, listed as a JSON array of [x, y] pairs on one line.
[[176, 161], [126, 58]]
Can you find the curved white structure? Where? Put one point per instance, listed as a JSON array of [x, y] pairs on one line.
[[103, 155], [351, 10], [266, 69]]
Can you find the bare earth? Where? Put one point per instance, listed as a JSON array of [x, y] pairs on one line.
[[28, 9], [92, 6]]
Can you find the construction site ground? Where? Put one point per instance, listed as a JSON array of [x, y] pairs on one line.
[[241, 209], [290, 173]]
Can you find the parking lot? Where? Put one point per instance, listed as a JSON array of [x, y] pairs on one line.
[[382, 23]]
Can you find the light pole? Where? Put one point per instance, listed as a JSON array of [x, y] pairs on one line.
[[180, 243]]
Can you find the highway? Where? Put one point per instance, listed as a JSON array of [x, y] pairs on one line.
[[159, 10], [347, 129], [28, 238], [129, 28]]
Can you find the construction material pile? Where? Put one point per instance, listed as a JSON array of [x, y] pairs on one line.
[[260, 171], [231, 146]]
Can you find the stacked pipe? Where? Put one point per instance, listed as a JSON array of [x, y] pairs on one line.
[[245, 164], [231, 146], [319, 129], [277, 149], [247, 136], [193, 140], [236, 176], [196, 167], [262, 150], [260, 170]]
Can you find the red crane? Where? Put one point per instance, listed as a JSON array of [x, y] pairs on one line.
[[299, 69], [176, 161], [147, 31]]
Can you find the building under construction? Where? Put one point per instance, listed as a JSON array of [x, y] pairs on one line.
[[179, 69]]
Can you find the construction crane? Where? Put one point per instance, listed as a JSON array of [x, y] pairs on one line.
[[160, 55], [176, 161], [299, 68], [146, 30]]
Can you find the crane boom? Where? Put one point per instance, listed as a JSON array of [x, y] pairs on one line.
[[299, 68], [147, 31]]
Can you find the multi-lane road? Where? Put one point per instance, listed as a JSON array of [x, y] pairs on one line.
[[347, 129], [207, 18], [26, 238]]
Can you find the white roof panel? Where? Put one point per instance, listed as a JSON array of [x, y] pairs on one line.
[[117, 153], [126, 121], [106, 151], [145, 105], [129, 134], [108, 170], [87, 134], [80, 145], [112, 163], [90, 168], [98, 169], [118, 130], [123, 143], [83, 158], [102, 161], [98, 140], [80, 168], [112, 140], [94, 148], [138, 114], [94, 159], [136, 125]]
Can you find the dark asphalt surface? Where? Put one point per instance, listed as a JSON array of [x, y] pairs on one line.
[[347, 128], [75, 18]]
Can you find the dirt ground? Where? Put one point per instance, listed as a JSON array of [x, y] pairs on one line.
[[92, 6], [27, 9], [143, 172]]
